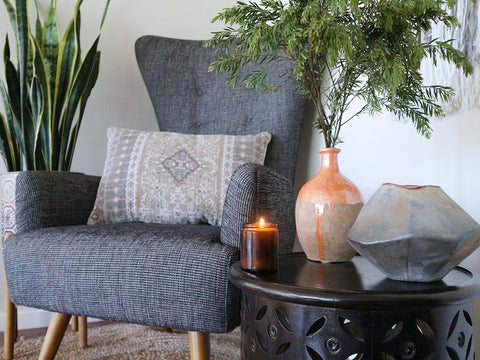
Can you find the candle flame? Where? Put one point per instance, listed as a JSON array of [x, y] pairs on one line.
[[262, 222]]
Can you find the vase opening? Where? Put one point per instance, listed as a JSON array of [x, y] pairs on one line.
[[411, 187], [329, 158]]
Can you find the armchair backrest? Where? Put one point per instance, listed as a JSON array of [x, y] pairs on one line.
[[188, 99]]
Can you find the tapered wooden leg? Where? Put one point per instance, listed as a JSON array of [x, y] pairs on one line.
[[10, 326], [82, 331], [74, 323], [15, 322], [56, 330], [199, 345]]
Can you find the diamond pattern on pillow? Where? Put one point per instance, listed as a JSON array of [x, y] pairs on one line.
[[180, 166]]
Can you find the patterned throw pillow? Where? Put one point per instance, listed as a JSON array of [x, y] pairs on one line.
[[170, 178]]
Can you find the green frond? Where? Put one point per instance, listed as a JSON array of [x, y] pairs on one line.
[[343, 49]]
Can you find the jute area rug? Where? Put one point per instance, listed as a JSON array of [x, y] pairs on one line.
[[125, 341]]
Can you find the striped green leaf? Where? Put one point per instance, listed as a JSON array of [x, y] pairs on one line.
[[13, 84], [44, 142], [83, 103], [78, 88], [4, 144], [68, 50], [23, 31], [37, 99], [11, 151], [50, 44], [12, 15]]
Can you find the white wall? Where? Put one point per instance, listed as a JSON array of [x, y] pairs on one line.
[[374, 151]]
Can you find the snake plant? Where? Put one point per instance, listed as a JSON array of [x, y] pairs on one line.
[[46, 92]]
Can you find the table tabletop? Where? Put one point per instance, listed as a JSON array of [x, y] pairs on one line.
[[355, 284]]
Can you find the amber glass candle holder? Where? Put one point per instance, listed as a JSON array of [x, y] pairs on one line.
[[259, 247]]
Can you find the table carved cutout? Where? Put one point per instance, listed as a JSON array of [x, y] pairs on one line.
[[290, 316]]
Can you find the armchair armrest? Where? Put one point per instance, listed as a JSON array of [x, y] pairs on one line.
[[52, 198], [258, 191]]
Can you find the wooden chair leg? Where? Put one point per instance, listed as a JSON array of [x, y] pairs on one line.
[[199, 345], [10, 333], [56, 330], [82, 331], [15, 322], [74, 323]]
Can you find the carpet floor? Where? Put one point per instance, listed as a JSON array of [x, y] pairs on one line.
[[131, 342]]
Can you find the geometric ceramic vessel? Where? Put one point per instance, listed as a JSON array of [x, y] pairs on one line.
[[414, 233], [327, 206]]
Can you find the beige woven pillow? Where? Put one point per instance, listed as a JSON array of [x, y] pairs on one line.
[[170, 178]]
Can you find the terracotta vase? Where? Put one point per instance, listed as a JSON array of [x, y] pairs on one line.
[[327, 206]]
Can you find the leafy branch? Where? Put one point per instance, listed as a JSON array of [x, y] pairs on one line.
[[342, 50]]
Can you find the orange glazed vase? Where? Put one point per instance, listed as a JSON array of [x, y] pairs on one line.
[[327, 206]]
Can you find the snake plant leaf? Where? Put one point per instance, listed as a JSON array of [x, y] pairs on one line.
[[23, 40], [11, 153], [37, 99], [83, 103], [78, 87], [44, 142], [4, 144], [68, 50], [78, 22], [92, 79], [8, 109], [50, 44], [14, 128], [13, 85], [38, 26], [6, 49], [104, 14], [23, 28], [12, 15]]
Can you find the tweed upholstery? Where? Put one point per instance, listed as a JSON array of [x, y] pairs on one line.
[[188, 99], [162, 275], [52, 198], [154, 274], [257, 191]]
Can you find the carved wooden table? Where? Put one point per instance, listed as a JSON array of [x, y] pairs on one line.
[[350, 310]]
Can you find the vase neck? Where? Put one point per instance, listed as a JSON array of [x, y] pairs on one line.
[[329, 159]]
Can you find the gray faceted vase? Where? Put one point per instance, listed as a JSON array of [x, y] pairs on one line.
[[414, 233]]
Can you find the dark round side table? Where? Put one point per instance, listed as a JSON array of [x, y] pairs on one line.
[[350, 310]]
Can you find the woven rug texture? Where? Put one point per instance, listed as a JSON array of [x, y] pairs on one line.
[[132, 342]]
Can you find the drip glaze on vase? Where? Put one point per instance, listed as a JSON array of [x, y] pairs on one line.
[[327, 206]]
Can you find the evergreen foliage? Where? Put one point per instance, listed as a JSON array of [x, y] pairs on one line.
[[342, 50], [46, 92]]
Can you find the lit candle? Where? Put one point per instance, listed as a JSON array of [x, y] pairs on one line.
[[258, 246]]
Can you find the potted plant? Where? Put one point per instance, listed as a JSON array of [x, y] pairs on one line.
[[44, 97], [45, 93], [340, 51]]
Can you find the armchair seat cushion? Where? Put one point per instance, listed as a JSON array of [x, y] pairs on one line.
[[151, 274]]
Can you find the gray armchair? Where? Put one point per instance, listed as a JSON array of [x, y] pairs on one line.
[[157, 274]]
